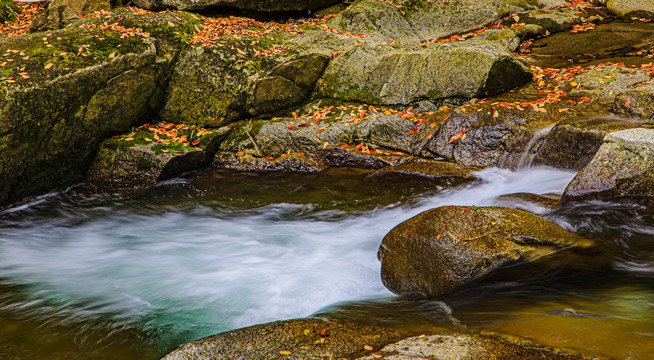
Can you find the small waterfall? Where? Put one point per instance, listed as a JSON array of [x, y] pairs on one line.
[[536, 142]]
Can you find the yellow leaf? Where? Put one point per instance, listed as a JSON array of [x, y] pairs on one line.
[[240, 51], [284, 352], [493, 223], [367, 347], [129, 139], [49, 65], [573, 83], [171, 24]]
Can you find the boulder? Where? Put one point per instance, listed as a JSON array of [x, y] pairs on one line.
[[217, 86], [572, 143], [136, 160], [631, 8], [439, 250], [274, 138], [422, 20], [403, 74], [622, 167], [291, 339], [62, 94], [63, 12], [607, 82], [254, 5], [467, 347]]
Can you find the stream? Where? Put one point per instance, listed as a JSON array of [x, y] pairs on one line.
[[132, 276]]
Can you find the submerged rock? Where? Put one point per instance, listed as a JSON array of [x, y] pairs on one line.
[[402, 74], [622, 167], [255, 5], [291, 339], [62, 103], [467, 347], [431, 169], [439, 250]]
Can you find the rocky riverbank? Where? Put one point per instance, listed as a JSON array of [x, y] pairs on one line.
[[124, 97]]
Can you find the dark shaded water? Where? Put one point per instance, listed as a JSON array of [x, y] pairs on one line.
[[131, 277]]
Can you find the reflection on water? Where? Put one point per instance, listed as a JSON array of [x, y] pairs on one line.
[[111, 276]]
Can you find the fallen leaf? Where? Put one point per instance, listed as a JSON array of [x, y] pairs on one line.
[[367, 347], [438, 237], [129, 138], [627, 101], [171, 24], [47, 66], [285, 352], [195, 142], [457, 137], [241, 152], [358, 147], [240, 51]]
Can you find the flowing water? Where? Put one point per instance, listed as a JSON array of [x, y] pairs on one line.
[[117, 276]]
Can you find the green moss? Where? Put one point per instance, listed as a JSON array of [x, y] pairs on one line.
[[208, 108], [331, 85], [434, 93]]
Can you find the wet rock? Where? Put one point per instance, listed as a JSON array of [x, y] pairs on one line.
[[402, 74], [63, 12], [295, 162], [339, 157], [489, 139], [296, 339], [254, 5], [610, 42], [54, 118], [122, 164], [529, 202], [636, 103], [631, 8], [431, 169], [572, 143], [623, 166], [467, 346], [439, 250], [422, 20], [529, 31]]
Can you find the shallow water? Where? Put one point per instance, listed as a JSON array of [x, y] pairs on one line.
[[131, 277]]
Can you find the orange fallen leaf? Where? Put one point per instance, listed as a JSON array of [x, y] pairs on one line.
[[241, 152], [129, 138], [627, 101], [195, 142], [367, 347], [460, 136], [240, 51], [358, 147], [345, 146], [438, 237], [171, 24]]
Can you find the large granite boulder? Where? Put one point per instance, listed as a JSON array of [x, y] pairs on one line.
[[402, 74], [62, 94], [622, 167], [254, 5], [439, 250], [422, 20], [631, 8], [291, 339]]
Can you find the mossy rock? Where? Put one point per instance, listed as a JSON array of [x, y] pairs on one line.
[[439, 250], [403, 74], [254, 5], [8, 11], [622, 167], [69, 91], [607, 82], [294, 162], [469, 346], [291, 339], [551, 20], [136, 160], [423, 20]]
